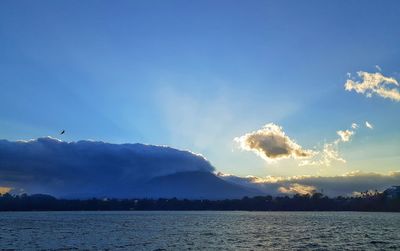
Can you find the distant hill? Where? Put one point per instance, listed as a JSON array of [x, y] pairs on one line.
[[193, 185]]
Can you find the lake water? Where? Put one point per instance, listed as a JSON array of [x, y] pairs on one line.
[[199, 231]]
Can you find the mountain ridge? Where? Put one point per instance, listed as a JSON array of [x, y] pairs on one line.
[[194, 185]]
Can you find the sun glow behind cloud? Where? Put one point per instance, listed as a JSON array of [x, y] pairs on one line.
[[346, 184], [296, 188], [271, 143], [4, 190]]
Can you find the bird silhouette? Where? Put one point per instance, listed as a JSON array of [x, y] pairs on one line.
[[62, 132]]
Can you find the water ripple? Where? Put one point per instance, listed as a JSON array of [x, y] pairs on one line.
[[199, 231]]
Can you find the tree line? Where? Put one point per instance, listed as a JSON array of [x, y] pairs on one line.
[[315, 202]]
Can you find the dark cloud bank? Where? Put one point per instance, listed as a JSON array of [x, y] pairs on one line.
[[350, 184], [89, 168], [96, 169]]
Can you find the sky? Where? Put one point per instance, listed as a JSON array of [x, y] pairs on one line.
[[232, 81]]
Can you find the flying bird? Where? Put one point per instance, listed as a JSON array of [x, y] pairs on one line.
[[62, 132]]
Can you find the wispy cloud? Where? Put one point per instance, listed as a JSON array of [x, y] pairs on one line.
[[328, 155], [374, 83], [330, 151], [369, 125], [271, 143]]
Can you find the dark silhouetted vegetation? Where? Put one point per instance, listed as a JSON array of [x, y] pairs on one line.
[[317, 202]]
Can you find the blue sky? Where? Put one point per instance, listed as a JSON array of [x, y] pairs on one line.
[[195, 75]]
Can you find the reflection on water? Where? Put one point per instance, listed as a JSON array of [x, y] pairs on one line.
[[199, 230]]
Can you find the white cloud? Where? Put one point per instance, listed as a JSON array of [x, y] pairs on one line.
[[374, 83], [271, 143], [345, 135], [354, 126], [369, 125]]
